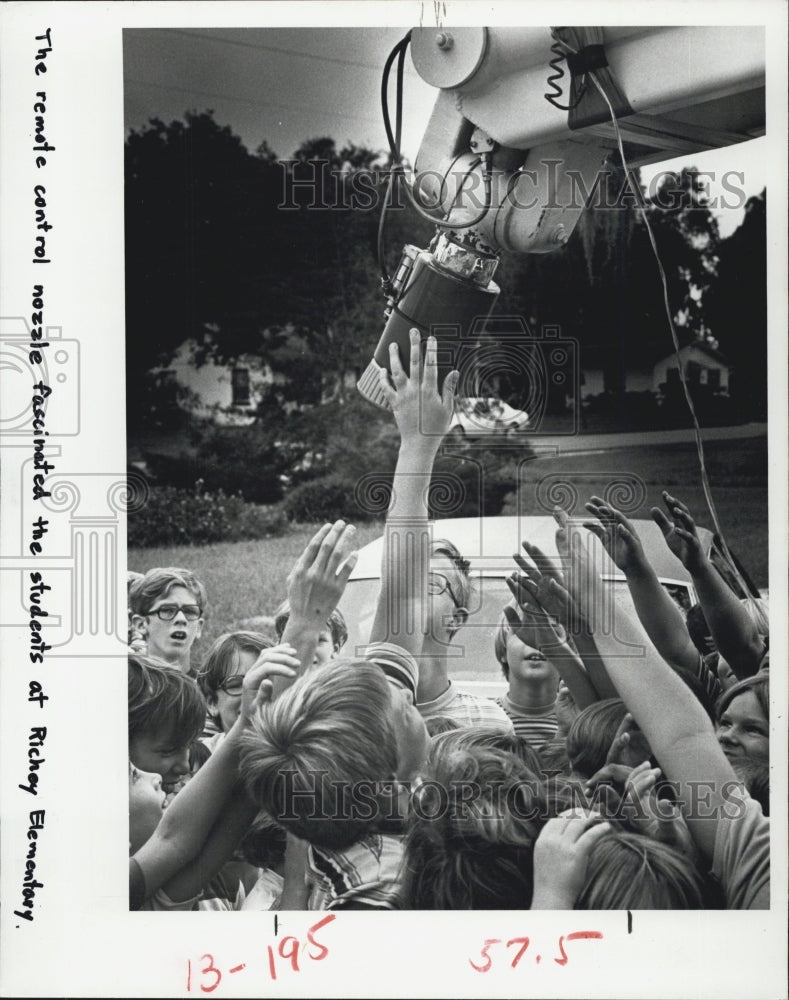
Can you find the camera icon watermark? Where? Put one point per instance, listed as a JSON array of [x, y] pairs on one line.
[[58, 369], [513, 383]]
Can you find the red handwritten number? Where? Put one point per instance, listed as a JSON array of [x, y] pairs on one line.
[[575, 936], [311, 939], [485, 955], [210, 967], [292, 952], [524, 942], [271, 967]]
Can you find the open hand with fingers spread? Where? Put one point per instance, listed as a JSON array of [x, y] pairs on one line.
[[318, 579], [680, 532], [616, 534], [421, 412], [541, 578], [531, 623]]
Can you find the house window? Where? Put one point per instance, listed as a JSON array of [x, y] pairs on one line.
[[714, 378], [240, 384], [693, 372]]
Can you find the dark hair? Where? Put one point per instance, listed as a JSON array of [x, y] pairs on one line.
[[476, 854], [223, 658], [335, 623], [263, 845], [162, 699]]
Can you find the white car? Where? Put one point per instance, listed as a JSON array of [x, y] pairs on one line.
[[478, 415], [489, 543]]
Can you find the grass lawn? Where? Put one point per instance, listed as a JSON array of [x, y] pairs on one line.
[[737, 471], [242, 579], [246, 579]]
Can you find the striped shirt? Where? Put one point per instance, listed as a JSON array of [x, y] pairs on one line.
[[535, 725], [467, 710], [368, 874]]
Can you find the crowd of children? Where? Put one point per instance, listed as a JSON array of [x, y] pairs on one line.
[[625, 767]]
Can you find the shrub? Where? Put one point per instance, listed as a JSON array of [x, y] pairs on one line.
[[173, 516], [329, 497]]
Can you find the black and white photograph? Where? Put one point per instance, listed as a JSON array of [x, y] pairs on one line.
[[393, 499]]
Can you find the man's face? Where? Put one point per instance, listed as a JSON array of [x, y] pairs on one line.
[[171, 640]]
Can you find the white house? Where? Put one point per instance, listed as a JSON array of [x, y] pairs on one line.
[[701, 365], [228, 393]]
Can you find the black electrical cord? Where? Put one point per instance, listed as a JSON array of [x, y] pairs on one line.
[[397, 170]]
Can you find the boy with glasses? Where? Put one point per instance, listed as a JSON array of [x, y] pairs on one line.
[[167, 607]]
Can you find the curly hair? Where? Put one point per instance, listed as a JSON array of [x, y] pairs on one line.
[[471, 832]]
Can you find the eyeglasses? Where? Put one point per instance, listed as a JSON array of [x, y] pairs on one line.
[[166, 612], [232, 685], [438, 584]]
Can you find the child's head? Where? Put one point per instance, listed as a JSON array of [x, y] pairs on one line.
[[167, 607], [222, 675], [331, 638], [448, 591], [146, 803], [591, 735], [166, 713], [743, 715], [519, 662], [471, 831], [630, 871], [317, 752]]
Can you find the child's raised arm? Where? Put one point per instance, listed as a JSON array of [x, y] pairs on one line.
[[315, 585], [673, 721], [736, 636], [423, 416], [658, 613]]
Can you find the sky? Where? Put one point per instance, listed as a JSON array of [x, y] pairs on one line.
[[286, 85]]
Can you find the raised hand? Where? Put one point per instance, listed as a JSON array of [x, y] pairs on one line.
[[318, 578], [257, 689], [680, 532], [420, 411], [531, 622], [545, 583], [561, 855], [616, 534]]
